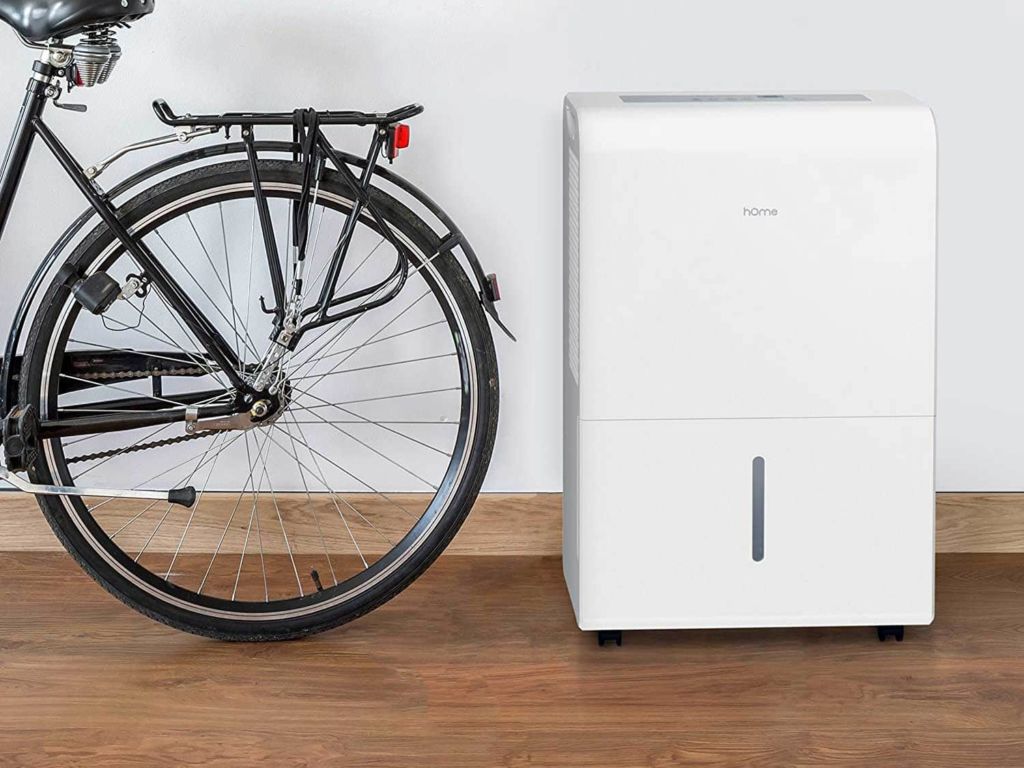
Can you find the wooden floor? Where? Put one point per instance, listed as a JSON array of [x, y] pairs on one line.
[[480, 664], [531, 524]]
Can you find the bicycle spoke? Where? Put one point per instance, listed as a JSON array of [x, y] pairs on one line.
[[353, 273], [209, 259], [357, 318], [311, 255], [327, 329], [340, 352], [86, 408], [364, 420], [248, 291], [248, 339], [379, 399], [140, 311], [318, 473], [187, 480], [284, 533], [259, 537], [245, 544], [380, 331], [195, 509], [143, 484], [312, 506], [315, 453], [231, 287], [118, 532], [227, 526], [377, 367], [168, 340], [95, 385], [122, 451], [96, 346], [199, 358], [375, 423], [150, 480], [386, 458]]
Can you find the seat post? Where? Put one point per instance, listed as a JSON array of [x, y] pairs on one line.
[[44, 71], [36, 95]]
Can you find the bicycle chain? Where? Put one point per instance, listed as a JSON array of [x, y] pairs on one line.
[[118, 375], [144, 447]]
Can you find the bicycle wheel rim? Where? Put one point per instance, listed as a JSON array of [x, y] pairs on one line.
[[347, 590]]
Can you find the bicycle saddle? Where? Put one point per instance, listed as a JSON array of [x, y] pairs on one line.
[[39, 20]]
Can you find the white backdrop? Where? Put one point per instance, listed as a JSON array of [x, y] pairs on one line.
[[492, 74]]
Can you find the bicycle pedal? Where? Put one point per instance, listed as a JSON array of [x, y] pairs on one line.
[[21, 438]]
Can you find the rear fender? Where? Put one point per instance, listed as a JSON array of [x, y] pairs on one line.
[[452, 240]]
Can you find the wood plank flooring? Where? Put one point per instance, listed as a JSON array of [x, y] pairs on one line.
[[480, 664], [500, 524], [531, 524]]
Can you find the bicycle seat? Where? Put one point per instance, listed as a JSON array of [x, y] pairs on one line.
[[39, 20]]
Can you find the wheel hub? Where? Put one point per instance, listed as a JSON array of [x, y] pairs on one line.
[[268, 407]]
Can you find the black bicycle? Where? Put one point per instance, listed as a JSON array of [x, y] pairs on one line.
[[253, 387]]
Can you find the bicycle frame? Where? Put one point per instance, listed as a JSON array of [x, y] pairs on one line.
[[310, 145], [30, 125]]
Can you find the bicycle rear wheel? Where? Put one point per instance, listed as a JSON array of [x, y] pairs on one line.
[[332, 507]]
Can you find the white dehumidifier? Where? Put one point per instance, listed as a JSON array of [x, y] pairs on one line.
[[749, 361]]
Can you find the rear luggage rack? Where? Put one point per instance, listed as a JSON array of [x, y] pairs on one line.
[[167, 116]]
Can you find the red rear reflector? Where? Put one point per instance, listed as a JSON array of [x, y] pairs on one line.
[[401, 136], [493, 288]]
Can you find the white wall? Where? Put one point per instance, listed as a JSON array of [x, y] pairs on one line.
[[492, 74]]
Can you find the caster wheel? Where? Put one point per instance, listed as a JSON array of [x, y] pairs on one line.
[[609, 636], [886, 632]]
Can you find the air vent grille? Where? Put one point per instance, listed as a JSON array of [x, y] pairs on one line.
[[574, 266]]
